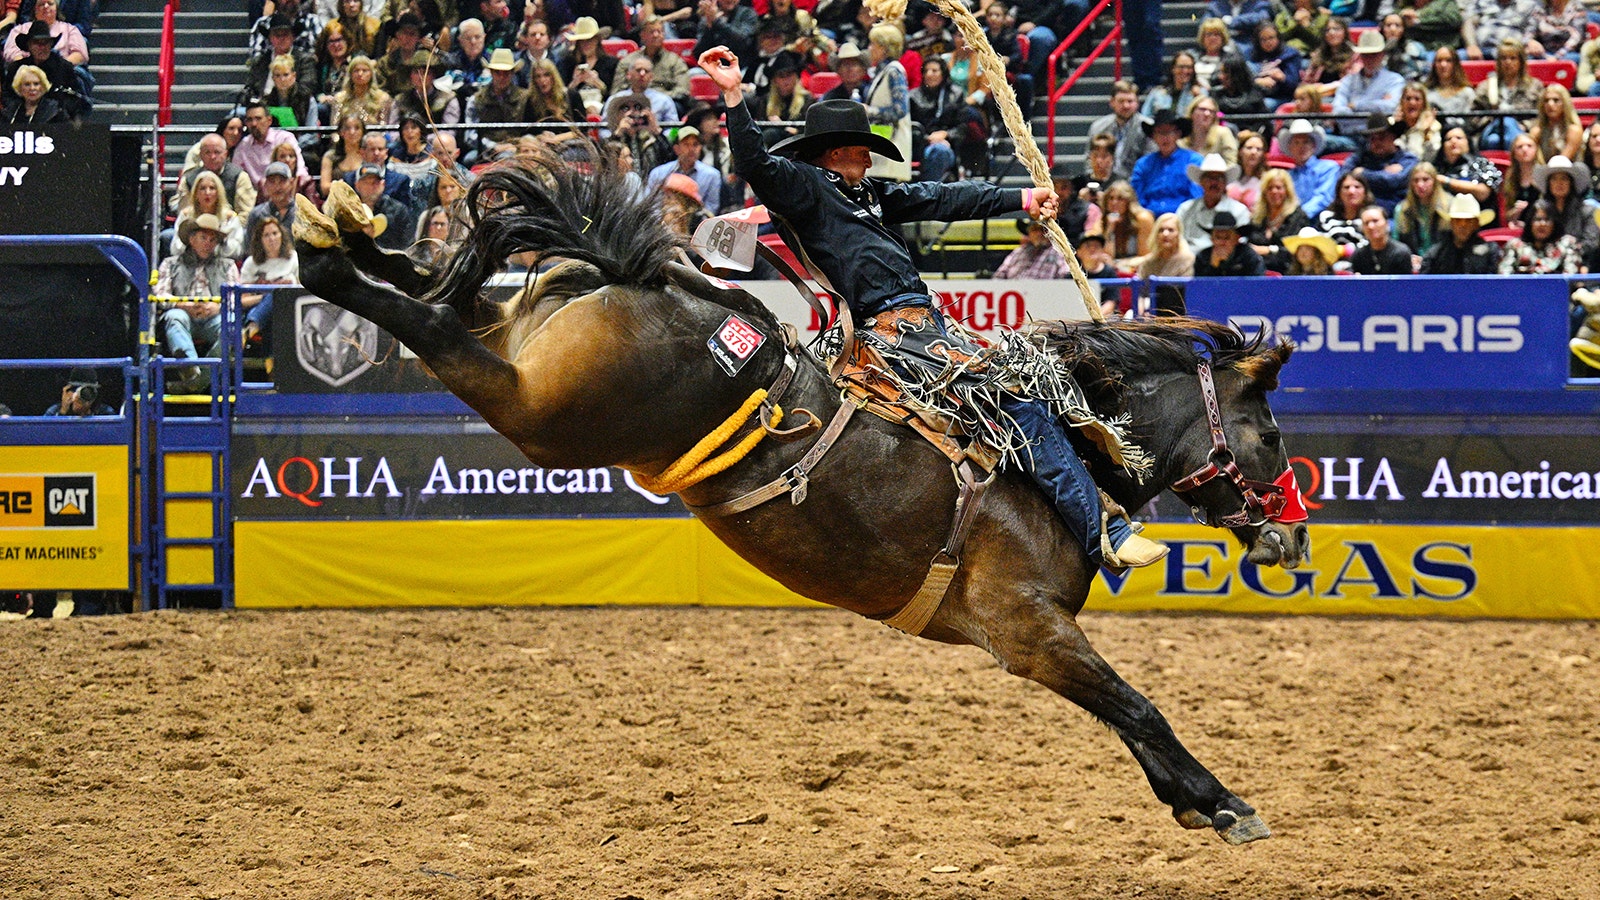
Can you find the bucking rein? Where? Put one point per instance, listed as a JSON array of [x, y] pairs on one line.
[[851, 372]]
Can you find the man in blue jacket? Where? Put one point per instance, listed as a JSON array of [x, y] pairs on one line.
[[844, 221], [1161, 178], [1384, 163]]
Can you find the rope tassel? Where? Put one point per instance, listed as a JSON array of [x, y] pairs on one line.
[[693, 467]]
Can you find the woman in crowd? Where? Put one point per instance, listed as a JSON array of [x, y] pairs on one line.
[[333, 60], [788, 100], [1301, 23], [288, 93], [1276, 65], [1449, 91], [271, 260], [345, 154], [360, 30], [586, 67], [1252, 166], [1518, 191], [1407, 57], [438, 232], [288, 153], [1332, 57], [1170, 258], [1129, 227], [1342, 219], [549, 100], [1591, 156], [32, 104], [408, 153], [1002, 35], [935, 106], [1422, 136], [1212, 43], [1463, 172], [1311, 253], [1207, 135], [1542, 249], [1556, 128], [359, 96], [888, 96], [1558, 30], [1181, 89], [1561, 183], [208, 197], [1278, 215], [973, 85], [1235, 92], [1508, 87], [1421, 218]]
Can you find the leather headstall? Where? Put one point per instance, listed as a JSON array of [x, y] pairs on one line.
[[1262, 501]]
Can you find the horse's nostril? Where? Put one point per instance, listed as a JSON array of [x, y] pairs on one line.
[[1302, 539]]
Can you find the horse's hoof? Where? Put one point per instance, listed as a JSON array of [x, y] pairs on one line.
[[311, 226], [345, 207], [1236, 830], [1192, 819]]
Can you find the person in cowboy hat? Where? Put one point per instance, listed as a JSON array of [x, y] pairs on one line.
[[815, 184], [1561, 182], [1311, 252], [38, 47], [1161, 178], [190, 325], [428, 101], [498, 101], [1371, 88], [585, 66], [1465, 252], [1385, 163], [1213, 175], [1314, 178], [1225, 254]]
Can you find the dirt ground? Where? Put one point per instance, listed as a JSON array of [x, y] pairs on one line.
[[689, 753]]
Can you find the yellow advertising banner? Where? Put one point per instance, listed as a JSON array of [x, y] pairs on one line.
[[64, 518], [1357, 569]]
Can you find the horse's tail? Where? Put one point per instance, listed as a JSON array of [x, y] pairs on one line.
[[553, 208]]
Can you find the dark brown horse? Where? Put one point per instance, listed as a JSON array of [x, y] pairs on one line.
[[605, 362]]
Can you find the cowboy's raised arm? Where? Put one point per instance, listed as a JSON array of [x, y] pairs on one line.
[[925, 201], [779, 183]]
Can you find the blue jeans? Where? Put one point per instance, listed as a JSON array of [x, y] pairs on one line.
[[1499, 133], [1041, 41], [1056, 469], [937, 160], [184, 334]]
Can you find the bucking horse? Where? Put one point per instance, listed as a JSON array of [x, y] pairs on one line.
[[603, 360]]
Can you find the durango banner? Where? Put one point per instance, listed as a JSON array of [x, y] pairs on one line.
[[64, 518]]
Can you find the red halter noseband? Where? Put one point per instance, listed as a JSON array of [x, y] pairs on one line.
[[1279, 501]]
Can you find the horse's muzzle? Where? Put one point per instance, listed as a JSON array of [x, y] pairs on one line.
[[1280, 544]]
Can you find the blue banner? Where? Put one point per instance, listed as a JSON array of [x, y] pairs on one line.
[[1392, 335]]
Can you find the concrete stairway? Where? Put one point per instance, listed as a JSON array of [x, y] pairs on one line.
[[212, 37]]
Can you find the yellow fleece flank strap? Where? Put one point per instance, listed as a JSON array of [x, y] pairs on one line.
[[693, 467]]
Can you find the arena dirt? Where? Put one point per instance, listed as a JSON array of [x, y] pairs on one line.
[[694, 753]]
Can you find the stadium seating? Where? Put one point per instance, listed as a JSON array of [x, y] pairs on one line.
[[701, 87], [823, 82], [1588, 108], [618, 46], [1561, 71], [684, 47]]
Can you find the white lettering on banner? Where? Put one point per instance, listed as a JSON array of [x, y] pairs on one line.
[[262, 476], [1540, 484], [516, 481], [26, 142], [12, 174], [1404, 334], [1383, 477]]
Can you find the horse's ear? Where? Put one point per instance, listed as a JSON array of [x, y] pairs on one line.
[[1261, 369]]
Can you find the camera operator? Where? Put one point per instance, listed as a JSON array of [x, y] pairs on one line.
[[80, 396]]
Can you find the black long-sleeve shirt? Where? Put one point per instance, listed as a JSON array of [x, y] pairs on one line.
[[865, 259]]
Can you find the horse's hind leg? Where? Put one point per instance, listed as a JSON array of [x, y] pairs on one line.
[[1038, 640]]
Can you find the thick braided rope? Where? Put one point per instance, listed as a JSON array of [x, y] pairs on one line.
[[693, 467], [1021, 134]]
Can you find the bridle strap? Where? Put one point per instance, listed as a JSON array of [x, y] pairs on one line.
[[1262, 501]]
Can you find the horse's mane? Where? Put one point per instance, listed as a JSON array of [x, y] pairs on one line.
[[549, 207], [1102, 354]]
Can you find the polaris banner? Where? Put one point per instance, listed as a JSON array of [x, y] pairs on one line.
[[306, 471], [1393, 334]]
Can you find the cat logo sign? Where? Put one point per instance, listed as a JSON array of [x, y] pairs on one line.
[[47, 501]]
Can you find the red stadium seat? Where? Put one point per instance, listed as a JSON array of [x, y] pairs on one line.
[[1022, 46], [1280, 162], [618, 46], [1558, 71], [912, 61], [1356, 33], [823, 82], [1591, 32], [701, 87], [1588, 108], [1336, 157], [684, 47], [1500, 235], [1477, 69]]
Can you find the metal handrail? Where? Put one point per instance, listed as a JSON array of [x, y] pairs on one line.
[[1112, 39]]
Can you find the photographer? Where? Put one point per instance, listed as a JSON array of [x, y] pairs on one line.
[[635, 126], [80, 396]]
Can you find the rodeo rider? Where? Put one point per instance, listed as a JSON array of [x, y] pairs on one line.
[[817, 182]]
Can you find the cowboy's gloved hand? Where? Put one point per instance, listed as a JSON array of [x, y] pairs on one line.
[[1042, 203]]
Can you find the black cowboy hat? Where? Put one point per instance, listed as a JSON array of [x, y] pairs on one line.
[[1168, 117], [1378, 122], [37, 31], [836, 123], [281, 22], [1223, 220]]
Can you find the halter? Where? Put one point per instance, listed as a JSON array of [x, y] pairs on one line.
[[1279, 501]]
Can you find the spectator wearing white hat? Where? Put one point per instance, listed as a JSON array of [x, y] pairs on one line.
[[1314, 178], [1212, 174], [192, 326], [1464, 252], [1371, 88]]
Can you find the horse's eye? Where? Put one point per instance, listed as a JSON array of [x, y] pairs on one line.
[[1271, 439]]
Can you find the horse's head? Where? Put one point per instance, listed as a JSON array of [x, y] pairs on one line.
[[1233, 476], [1237, 473]]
